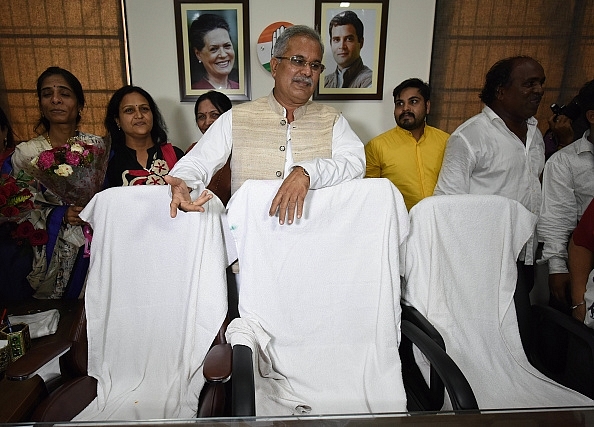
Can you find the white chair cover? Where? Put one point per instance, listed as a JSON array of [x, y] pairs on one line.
[[155, 298], [461, 273], [319, 300]]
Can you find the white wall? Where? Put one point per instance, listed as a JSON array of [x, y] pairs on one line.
[[153, 59]]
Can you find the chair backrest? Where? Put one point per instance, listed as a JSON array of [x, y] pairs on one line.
[[461, 274], [321, 297], [74, 362], [155, 301]]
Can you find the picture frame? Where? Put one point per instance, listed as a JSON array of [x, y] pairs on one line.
[[224, 67], [367, 82]]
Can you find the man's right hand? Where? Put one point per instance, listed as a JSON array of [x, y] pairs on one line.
[[180, 197], [559, 285], [561, 128]]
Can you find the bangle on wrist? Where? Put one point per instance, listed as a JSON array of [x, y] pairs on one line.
[[573, 307]]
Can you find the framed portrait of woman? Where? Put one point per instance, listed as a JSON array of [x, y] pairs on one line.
[[354, 37], [213, 48]]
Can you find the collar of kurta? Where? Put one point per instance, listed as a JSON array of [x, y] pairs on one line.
[[279, 109]]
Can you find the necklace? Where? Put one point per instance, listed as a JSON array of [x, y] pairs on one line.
[[68, 141]]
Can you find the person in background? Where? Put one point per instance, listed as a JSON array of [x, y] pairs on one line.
[[567, 190], [141, 153], [565, 126], [212, 46], [581, 263], [410, 154], [282, 136], [346, 42], [208, 108], [7, 143], [60, 273], [500, 151]]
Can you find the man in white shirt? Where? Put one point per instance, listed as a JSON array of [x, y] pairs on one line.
[[282, 136], [568, 188], [500, 150]]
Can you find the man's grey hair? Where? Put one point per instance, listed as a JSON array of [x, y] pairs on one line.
[[282, 43]]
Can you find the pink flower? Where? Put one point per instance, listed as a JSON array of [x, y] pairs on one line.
[[72, 158], [46, 159]]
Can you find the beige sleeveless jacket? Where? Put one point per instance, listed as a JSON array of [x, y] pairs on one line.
[[260, 138]]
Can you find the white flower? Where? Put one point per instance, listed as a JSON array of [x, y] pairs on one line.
[[64, 170], [77, 148], [34, 160]]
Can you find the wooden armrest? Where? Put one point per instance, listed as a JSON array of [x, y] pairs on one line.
[[20, 398], [34, 359], [67, 400], [218, 363]]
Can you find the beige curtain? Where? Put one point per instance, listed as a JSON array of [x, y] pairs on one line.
[[470, 36], [84, 36]]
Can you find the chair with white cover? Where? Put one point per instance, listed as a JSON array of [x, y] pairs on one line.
[[319, 300], [155, 300], [461, 273]]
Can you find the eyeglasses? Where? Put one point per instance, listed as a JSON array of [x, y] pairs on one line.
[[299, 62]]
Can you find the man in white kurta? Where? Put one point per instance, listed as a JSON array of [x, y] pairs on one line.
[[284, 136]]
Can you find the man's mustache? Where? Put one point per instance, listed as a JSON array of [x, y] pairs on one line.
[[303, 79], [406, 114]]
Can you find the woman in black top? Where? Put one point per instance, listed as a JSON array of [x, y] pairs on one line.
[[141, 154]]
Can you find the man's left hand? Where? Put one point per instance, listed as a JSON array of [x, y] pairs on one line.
[[290, 195]]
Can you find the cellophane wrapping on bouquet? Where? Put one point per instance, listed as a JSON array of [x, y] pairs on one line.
[[75, 172]]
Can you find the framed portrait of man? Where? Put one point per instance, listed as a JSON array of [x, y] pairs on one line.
[[213, 48], [354, 37]]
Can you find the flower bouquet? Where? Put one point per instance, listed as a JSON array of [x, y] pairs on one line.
[[75, 171], [15, 197], [26, 234]]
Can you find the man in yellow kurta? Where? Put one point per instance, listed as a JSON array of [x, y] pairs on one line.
[[410, 154]]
